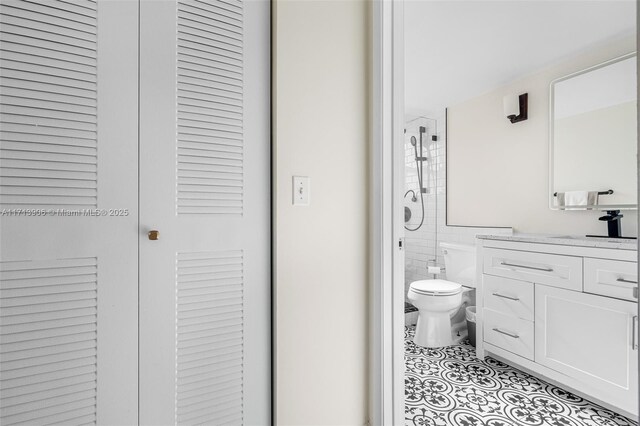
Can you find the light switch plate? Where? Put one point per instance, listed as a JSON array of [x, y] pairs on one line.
[[301, 190]]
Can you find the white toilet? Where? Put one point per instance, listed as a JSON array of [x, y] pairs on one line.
[[438, 300]]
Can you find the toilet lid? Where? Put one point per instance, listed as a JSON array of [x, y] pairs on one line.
[[436, 287]]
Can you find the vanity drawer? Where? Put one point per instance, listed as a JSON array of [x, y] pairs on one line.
[[509, 333], [509, 296], [612, 278], [541, 268]]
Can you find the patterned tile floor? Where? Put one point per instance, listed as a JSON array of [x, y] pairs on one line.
[[450, 386]]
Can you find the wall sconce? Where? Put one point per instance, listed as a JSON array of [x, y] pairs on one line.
[[516, 107]]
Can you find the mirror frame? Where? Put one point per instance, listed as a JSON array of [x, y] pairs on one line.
[[551, 141]]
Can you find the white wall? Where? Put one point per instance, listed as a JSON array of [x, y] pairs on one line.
[[321, 285], [498, 171]]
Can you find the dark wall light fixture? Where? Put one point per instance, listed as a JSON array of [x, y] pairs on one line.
[[516, 108]]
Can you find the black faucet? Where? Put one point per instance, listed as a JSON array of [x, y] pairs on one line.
[[613, 219]]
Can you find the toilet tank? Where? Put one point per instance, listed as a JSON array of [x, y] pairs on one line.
[[460, 263]]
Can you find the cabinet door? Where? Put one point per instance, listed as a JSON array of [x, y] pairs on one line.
[[591, 339]]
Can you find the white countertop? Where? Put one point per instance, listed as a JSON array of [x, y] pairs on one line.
[[567, 240]]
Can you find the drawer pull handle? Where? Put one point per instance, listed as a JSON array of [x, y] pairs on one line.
[[635, 292], [634, 331], [622, 280], [506, 333], [515, 299], [527, 267]]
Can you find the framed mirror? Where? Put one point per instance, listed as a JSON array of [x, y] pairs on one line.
[[593, 133]]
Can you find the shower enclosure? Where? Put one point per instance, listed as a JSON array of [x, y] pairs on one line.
[[422, 160]]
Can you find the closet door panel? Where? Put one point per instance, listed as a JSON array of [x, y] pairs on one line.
[[68, 212], [205, 283]]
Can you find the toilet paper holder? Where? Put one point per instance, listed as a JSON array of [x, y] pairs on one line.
[[435, 269]]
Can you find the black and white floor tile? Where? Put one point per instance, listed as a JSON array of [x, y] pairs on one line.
[[451, 387]]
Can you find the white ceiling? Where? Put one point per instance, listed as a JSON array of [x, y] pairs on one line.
[[458, 49]]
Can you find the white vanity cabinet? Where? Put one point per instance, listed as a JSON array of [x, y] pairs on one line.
[[591, 339], [565, 312]]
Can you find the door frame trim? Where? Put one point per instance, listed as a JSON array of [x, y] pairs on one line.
[[386, 227], [386, 370]]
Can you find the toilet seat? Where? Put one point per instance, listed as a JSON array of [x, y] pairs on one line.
[[436, 287]]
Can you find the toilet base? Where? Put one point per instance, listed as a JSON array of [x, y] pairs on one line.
[[433, 330]]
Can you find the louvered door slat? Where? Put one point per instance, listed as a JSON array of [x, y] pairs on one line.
[[47, 350], [217, 11], [191, 315], [203, 91], [40, 72], [190, 40], [47, 46], [215, 77], [209, 335], [27, 390], [60, 10], [68, 166], [219, 153], [203, 16], [61, 411], [201, 116], [233, 6], [63, 54], [50, 395], [27, 138], [211, 54], [26, 113], [22, 119], [12, 31], [38, 77], [209, 108], [48, 342], [50, 175], [46, 316], [210, 384], [48, 94], [26, 61], [33, 382], [209, 31], [14, 21], [60, 97], [31, 89], [69, 21], [44, 107]]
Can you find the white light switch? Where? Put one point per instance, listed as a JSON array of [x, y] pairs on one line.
[[301, 190]]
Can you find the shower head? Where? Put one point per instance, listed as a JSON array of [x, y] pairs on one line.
[[414, 141]]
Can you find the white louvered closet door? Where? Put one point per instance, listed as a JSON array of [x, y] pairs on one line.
[[205, 186], [68, 280]]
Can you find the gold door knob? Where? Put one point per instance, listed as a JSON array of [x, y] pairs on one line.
[[154, 235]]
